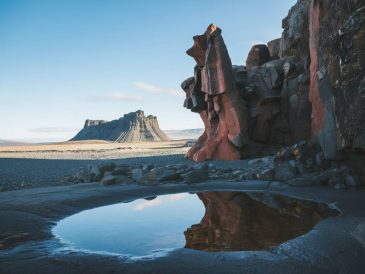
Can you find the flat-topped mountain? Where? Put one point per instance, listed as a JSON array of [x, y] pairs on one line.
[[132, 127]]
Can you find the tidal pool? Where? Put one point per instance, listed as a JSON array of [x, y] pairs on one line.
[[209, 221]]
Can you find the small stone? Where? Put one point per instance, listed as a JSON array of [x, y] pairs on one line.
[[337, 182], [267, 174], [108, 180], [83, 176], [196, 176], [120, 179], [250, 175], [137, 174], [293, 163], [237, 174], [284, 172], [148, 166], [181, 166], [308, 179], [352, 180], [169, 175], [122, 170], [203, 166], [96, 175], [301, 168], [340, 186], [106, 167]]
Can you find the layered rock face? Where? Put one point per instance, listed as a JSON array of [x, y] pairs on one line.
[[213, 94], [132, 127], [337, 91], [306, 85]]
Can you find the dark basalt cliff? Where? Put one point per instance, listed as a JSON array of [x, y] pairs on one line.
[[308, 85], [132, 127]]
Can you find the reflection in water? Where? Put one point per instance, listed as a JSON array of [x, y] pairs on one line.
[[232, 221], [239, 221], [136, 228]]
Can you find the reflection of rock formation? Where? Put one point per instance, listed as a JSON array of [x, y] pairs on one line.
[[239, 221], [311, 86], [132, 127]]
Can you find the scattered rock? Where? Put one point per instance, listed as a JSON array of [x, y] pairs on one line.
[[137, 174], [307, 179], [352, 180], [170, 175], [122, 170], [109, 180], [267, 174], [284, 171], [197, 175], [106, 167], [148, 166], [121, 179], [181, 166]]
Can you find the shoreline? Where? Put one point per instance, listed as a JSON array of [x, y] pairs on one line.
[[36, 211]]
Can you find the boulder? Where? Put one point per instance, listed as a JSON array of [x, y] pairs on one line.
[[170, 175], [197, 175], [274, 48], [284, 171], [108, 180], [122, 170], [258, 55], [137, 174]]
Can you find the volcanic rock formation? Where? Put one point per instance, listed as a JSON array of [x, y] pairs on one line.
[[212, 92], [132, 127], [311, 87]]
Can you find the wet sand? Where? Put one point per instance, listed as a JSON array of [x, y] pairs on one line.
[[335, 245]]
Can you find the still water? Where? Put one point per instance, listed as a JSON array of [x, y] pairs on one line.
[[135, 228], [208, 221]]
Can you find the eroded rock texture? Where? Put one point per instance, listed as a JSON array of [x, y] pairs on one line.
[[132, 127], [337, 47], [307, 85], [212, 93], [240, 221], [245, 108]]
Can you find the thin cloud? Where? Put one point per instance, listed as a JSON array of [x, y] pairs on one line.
[[118, 96], [147, 204], [157, 89], [179, 196], [256, 42], [52, 129]]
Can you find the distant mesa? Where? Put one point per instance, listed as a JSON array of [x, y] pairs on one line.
[[132, 127]]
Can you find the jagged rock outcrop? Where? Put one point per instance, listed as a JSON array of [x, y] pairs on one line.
[[311, 88], [258, 55], [213, 94], [132, 127], [337, 47], [263, 103]]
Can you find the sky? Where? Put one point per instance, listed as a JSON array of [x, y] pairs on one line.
[[65, 61]]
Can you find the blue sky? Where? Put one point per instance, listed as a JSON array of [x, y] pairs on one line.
[[64, 61]]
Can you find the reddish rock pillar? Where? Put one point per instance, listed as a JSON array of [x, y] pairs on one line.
[[213, 94]]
